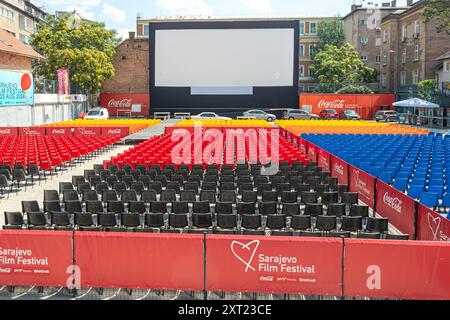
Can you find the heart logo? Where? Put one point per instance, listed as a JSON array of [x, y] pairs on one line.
[[434, 223], [245, 252]]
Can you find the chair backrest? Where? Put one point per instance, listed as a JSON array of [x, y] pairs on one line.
[[14, 218], [30, 206]]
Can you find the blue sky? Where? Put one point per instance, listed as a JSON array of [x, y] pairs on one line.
[[121, 15]]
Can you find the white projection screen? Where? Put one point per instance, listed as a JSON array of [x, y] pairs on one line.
[[223, 66], [224, 58]]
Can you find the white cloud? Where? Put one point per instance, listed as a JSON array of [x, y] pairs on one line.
[[83, 7], [257, 6], [113, 13], [80, 3], [184, 7], [123, 33]]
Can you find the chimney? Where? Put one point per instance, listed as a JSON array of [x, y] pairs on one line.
[[394, 3], [409, 2], [131, 35]]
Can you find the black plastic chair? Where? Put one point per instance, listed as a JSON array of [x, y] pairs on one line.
[[90, 195], [108, 222], [336, 209], [391, 236], [37, 221], [130, 221], [70, 195], [129, 195], [314, 234], [208, 195], [228, 196], [314, 209], [168, 195], [178, 222], [267, 208], [301, 222], [353, 224], [181, 207], [339, 234], [326, 223], [94, 206], [359, 210], [227, 222], [30, 206], [51, 195], [158, 207], [52, 206], [224, 208], [73, 206], [148, 196], [201, 207], [61, 221], [251, 221], [246, 208], [188, 196], [380, 225], [109, 195], [202, 221], [330, 197], [136, 207], [290, 209], [269, 196], [14, 221], [115, 206], [350, 198], [309, 197], [368, 235], [276, 222]]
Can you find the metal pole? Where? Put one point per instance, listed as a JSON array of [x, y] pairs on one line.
[[205, 292]]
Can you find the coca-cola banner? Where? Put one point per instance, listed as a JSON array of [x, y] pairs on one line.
[[312, 152], [9, 131], [58, 131], [35, 258], [324, 160], [397, 269], [116, 131], [140, 260], [274, 265], [87, 131], [126, 104], [364, 184], [339, 169], [432, 226], [32, 131], [397, 206], [365, 104], [302, 145]]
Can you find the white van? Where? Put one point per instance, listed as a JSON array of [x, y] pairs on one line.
[[97, 114]]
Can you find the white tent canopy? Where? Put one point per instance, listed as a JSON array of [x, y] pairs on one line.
[[416, 103]]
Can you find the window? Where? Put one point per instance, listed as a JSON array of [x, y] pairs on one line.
[[385, 59], [416, 52], [416, 27], [377, 24], [447, 66], [301, 71], [25, 39], [302, 28], [403, 78], [363, 57], [146, 30], [7, 13], [378, 42], [377, 59], [302, 50], [310, 72], [313, 28], [404, 32], [415, 77], [404, 56], [385, 36], [383, 80], [363, 22], [312, 49], [364, 40]]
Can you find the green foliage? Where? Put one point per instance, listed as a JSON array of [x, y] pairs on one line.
[[427, 89], [439, 11], [87, 52], [336, 65], [330, 31], [351, 89]]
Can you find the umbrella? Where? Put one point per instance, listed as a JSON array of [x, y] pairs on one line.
[[416, 103]]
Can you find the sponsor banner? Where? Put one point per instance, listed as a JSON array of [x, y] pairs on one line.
[[140, 260], [9, 131], [312, 152], [397, 206], [63, 81], [45, 98], [32, 131], [432, 226], [122, 104], [339, 169], [364, 184], [397, 269], [16, 88], [302, 145], [276, 265], [323, 160], [35, 258], [87, 131], [116, 131], [58, 131]]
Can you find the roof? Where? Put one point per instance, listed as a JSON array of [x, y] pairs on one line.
[[10, 44], [445, 56], [372, 10]]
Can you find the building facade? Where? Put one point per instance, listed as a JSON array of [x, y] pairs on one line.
[[409, 49], [443, 73], [20, 18], [15, 55]]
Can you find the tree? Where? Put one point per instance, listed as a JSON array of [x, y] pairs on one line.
[[330, 31], [352, 89], [343, 65], [427, 89], [439, 11], [86, 50]]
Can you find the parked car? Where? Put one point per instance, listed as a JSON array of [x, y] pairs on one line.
[[210, 115], [350, 115], [260, 115], [97, 114], [329, 114], [293, 114], [386, 115], [279, 113]]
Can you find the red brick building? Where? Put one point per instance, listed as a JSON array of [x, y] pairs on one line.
[[14, 55]]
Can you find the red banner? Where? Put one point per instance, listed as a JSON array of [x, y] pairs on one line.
[[397, 269], [275, 265], [364, 184], [9, 131], [58, 131], [312, 152], [116, 131], [339, 169], [134, 260], [397, 206], [302, 145], [432, 226], [35, 258], [87, 131], [63, 81], [323, 160], [122, 104], [32, 131]]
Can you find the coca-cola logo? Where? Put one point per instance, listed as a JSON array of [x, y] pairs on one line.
[[124, 103], [335, 104], [393, 202], [339, 169], [115, 131], [5, 131], [58, 131]]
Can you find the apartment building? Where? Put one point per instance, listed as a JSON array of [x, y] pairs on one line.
[[20, 18], [362, 27], [308, 41], [410, 48]]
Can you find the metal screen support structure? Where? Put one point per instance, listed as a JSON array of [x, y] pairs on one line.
[[205, 291], [342, 268]]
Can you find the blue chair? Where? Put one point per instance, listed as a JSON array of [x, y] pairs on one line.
[[429, 199], [448, 216], [401, 184], [415, 191], [446, 201], [436, 189], [436, 182], [385, 176]]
